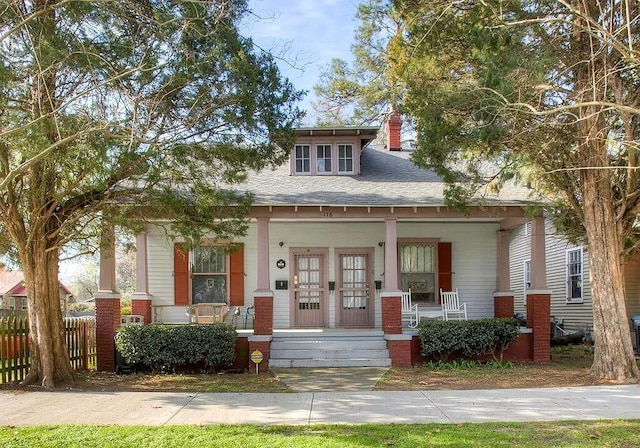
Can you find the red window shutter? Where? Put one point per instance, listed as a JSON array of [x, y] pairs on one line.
[[444, 267], [180, 275], [236, 278]]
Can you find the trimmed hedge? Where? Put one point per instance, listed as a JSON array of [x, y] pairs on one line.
[[167, 348], [470, 338]]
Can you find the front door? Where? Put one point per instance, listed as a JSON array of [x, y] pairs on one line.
[[309, 291], [355, 295]]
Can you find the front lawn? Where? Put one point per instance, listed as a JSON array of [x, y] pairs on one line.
[[615, 433]]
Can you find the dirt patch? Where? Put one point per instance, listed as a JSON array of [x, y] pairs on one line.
[[569, 366]]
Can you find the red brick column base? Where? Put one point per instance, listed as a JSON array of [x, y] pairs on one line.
[[263, 317], [262, 345], [503, 305], [391, 313], [399, 350], [538, 319], [142, 307], [107, 324]]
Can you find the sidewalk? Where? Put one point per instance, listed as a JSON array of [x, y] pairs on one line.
[[476, 406]]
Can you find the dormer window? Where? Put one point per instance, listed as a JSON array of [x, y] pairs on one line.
[[345, 158], [303, 159], [323, 158], [329, 151]]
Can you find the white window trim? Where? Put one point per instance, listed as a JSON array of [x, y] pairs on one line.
[[567, 278], [526, 282], [193, 274], [331, 157], [311, 160], [353, 158], [12, 303], [527, 228]]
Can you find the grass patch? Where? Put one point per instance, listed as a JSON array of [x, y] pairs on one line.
[[618, 433]]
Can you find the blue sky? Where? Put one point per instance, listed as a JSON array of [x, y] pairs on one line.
[[310, 32]]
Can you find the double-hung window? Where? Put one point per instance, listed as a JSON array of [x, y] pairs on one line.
[[345, 158], [323, 158], [303, 158], [12, 303], [418, 271], [574, 275], [209, 275]]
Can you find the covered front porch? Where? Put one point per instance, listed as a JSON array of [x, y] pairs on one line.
[[329, 268]]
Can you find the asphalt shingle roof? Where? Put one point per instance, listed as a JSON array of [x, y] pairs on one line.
[[388, 178]]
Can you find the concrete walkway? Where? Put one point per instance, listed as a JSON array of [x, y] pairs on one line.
[[329, 379], [477, 406]]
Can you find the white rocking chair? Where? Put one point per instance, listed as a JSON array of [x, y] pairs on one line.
[[409, 311], [451, 307]]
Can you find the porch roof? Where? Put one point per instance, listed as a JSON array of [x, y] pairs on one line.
[[388, 178]]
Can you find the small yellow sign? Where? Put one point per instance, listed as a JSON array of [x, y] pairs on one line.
[[257, 356]]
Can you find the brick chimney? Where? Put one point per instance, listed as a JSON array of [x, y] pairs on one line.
[[394, 129]]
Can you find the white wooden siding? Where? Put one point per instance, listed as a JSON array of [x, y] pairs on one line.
[[575, 315], [474, 260]]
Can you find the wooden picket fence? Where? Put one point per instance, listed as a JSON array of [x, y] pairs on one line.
[[80, 337]]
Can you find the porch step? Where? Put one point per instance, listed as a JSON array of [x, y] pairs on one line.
[[329, 349]]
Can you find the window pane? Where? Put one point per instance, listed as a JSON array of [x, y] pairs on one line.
[[345, 158], [323, 157], [209, 259], [209, 289], [302, 159]]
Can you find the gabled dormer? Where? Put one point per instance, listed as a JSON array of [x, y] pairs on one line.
[[332, 151]]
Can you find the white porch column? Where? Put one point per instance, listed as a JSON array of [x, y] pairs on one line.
[[263, 255], [141, 300], [538, 255], [107, 300], [503, 283], [107, 281], [391, 255]]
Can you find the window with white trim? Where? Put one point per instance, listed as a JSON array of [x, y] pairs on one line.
[[574, 275], [209, 277], [527, 228], [12, 303], [24, 304], [303, 158], [323, 158], [526, 274], [418, 271], [345, 158]]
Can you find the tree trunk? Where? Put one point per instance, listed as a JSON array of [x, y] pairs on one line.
[[613, 353], [50, 365]]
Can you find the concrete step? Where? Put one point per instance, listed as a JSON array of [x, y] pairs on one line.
[[328, 354], [329, 362], [366, 348], [369, 344]]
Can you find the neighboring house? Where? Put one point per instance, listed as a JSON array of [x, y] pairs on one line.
[[334, 236], [14, 293]]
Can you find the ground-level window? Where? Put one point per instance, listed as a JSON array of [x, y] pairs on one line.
[[418, 271], [209, 275], [24, 304], [303, 159], [345, 158], [12, 303], [574, 275]]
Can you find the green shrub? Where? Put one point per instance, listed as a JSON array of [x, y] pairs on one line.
[[166, 348], [470, 338]]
